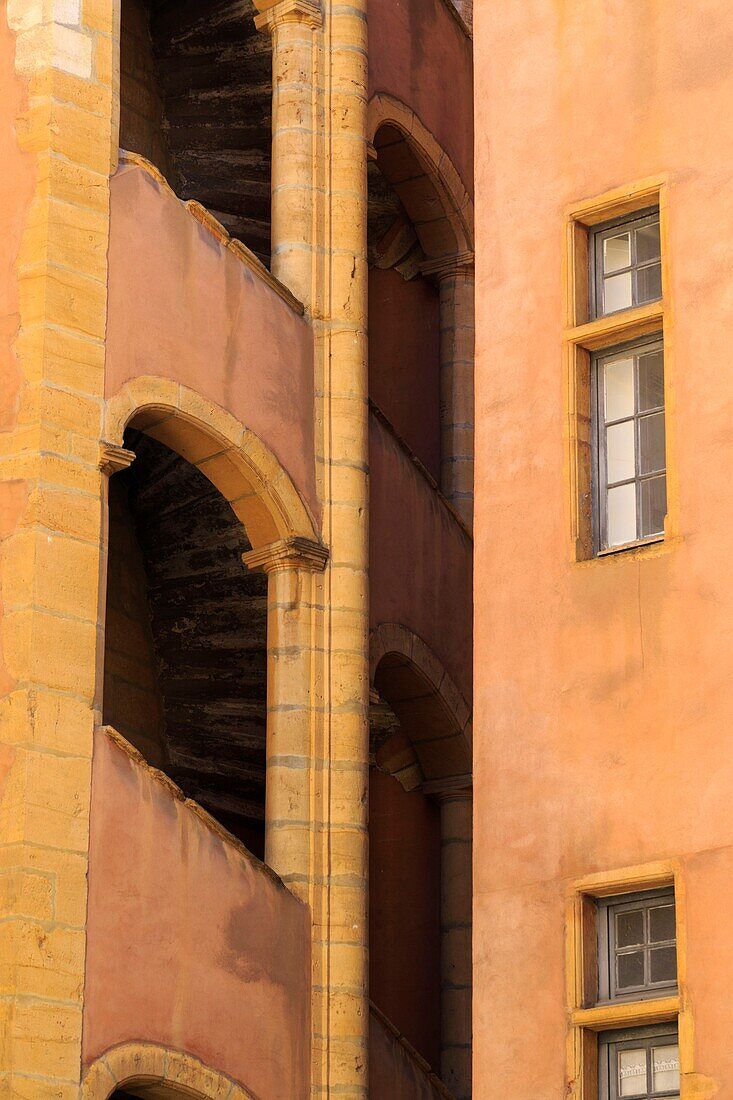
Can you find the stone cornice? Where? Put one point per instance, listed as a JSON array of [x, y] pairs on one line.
[[462, 263], [292, 553], [273, 13], [112, 458]]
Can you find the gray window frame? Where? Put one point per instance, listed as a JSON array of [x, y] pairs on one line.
[[606, 926], [611, 229], [599, 424], [648, 1037]]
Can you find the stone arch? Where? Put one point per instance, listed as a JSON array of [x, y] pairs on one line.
[[434, 743], [157, 1073], [233, 458], [424, 177]]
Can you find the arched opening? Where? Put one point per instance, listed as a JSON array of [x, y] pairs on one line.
[[417, 744], [185, 663], [404, 304], [195, 93]]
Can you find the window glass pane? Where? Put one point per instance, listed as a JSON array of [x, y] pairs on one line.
[[662, 923], [666, 1067], [620, 452], [618, 383], [621, 514], [630, 969], [616, 253], [648, 283], [653, 506], [632, 1072], [651, 443], [662, 964], [617, 292], [651, 380], [647, 243], [629, 928]]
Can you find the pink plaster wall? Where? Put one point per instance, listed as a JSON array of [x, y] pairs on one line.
[[182, 306], [420, 558], [394, 1073], [603, 698], [191, 943], [419, 53], [404, 911], [404, 360]]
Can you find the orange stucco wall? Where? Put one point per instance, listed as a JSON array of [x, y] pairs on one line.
[[192, 943], [182, 307], [602, 688], [419, 54]]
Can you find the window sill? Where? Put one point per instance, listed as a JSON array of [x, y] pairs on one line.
[[614, 1014], [618, 328], [630, 551], [639, 544]]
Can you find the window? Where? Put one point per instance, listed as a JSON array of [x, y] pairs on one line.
[[644, 1064], [615, 315], [637, 946], [626, 1008], [627, 265], [629, 460]]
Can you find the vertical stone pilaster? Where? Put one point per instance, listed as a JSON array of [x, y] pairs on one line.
[[319, 252], [297, 113], [51, 560], [456, 822], [292, 813], [455, 276]]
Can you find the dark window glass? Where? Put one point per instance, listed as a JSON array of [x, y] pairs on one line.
[[637, 949]]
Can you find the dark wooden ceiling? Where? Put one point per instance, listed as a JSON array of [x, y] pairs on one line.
[[214, 75], [208, 615]]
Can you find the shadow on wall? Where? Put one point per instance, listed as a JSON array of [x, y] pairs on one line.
[[185, 674], [196, 90]]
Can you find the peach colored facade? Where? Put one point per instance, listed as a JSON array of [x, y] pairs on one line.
[[602, 687], [235, 550]]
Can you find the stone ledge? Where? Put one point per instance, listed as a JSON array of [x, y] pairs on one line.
[[405, 447], [217, 230], [177, 794]]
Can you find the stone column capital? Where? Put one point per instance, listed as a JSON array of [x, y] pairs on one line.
[[446, 267], [458, 788], [273, 13], [112, 458], [296, 552]]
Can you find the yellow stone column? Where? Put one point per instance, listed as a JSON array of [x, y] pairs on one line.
[[456, 819], [455, 276], [292, 813], [51, 563], [319, 252], [297, 131]]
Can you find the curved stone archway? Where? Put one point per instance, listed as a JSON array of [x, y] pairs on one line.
[[424, 178], [247, 474], [434, 743], [157, 1073]]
